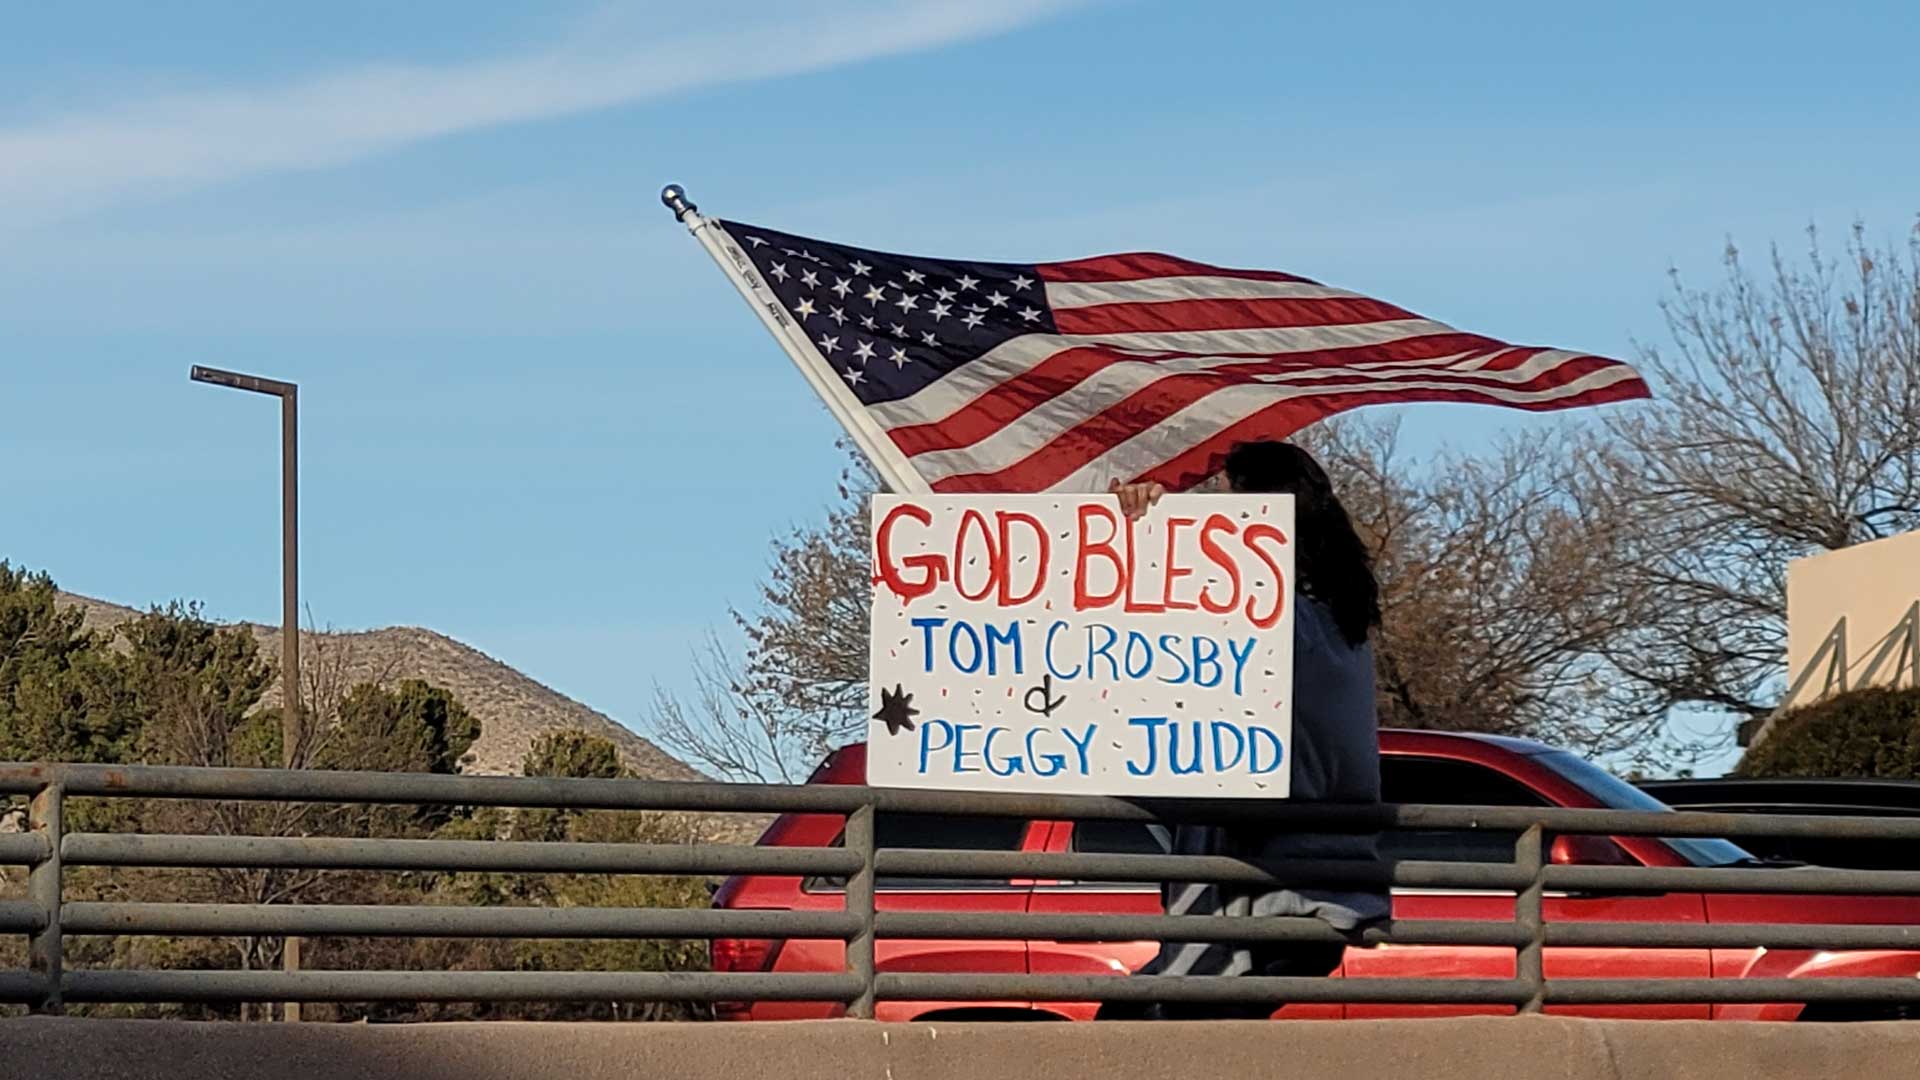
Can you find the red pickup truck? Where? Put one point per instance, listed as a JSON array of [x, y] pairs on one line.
[[1416, 767]]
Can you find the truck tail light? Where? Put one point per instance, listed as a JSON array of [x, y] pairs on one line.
[[740, 955]]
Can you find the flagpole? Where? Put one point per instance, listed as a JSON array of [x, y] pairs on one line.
[[894, 469]]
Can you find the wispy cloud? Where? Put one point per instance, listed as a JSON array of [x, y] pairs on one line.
[[61, 165]]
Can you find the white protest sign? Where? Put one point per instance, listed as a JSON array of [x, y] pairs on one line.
[[1043, 643]]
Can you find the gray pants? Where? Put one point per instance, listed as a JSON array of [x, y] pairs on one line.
[[1302, 959]]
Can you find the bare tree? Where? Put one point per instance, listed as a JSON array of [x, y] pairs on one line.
[[337, 666], [1498, 595], [734, 730], [807, 643], [1787, 423], [801, 687]]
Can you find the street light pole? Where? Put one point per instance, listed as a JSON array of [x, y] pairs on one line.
[[289, 395]]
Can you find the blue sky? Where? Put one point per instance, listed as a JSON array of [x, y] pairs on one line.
[[536, 418]]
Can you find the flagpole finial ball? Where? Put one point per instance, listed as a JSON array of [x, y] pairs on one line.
[[675, 198]]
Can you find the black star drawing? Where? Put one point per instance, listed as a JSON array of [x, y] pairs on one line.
[[896, 709]]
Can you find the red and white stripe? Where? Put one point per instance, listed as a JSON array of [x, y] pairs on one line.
[[1160, 365]]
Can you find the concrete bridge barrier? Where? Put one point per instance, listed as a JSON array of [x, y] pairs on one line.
[[1534, 1047]]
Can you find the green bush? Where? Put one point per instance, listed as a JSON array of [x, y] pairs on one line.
[[1863, 733]]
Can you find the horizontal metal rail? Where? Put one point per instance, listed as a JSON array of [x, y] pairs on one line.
[[1291, 990], [1805, 881], [349, 986], [997, 865], [358, 920], [1535, 894], [21, 988], [918, 925], [21, 917], [1200, 989], [325, 920], [497, 856], [183, 782], [1731, 991], [519, 986], [925, 925], [1641, 935], [427, 789], [22, 849]]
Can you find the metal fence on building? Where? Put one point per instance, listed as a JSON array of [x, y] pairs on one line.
[[47, 848]]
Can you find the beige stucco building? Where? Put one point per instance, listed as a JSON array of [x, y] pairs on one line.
[[1853, 619]]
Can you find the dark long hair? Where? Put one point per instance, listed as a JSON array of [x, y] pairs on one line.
[[1331, 563]]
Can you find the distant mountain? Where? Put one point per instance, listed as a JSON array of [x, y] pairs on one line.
[[513, 709]]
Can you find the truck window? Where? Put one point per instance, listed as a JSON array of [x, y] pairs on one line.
[[1441, 782], [1119, 838]]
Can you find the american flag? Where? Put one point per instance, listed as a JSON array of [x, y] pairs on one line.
[[1008, 377]]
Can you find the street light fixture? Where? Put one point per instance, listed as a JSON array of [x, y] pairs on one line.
[[289, 395]]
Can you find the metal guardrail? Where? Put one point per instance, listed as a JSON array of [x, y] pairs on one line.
[[48, 918]]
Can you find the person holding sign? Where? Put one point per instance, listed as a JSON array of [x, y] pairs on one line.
[[1335, 752]]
